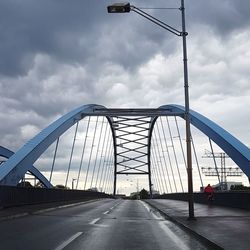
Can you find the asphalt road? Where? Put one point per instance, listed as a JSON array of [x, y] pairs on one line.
[[104, 224]]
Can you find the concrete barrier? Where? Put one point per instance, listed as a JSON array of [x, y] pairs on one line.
[[228, 199], [16, 196]]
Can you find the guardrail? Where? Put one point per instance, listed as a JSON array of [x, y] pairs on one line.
[[16, 196], [228, 199]]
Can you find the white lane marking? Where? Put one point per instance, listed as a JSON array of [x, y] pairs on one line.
[[65, 206], [108, 211], [94, 221], [146, 206], [115, 205], [67, 242]]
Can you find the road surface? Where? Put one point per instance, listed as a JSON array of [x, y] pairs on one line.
[[102, 224]]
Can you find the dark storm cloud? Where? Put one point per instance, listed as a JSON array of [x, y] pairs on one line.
[[223, 16], [80, 31], [58, 54], [70, 31], [51, 27]]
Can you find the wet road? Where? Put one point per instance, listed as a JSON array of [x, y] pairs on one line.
[[105, 224]]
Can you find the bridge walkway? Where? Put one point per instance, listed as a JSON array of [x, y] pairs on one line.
[[228, 228]]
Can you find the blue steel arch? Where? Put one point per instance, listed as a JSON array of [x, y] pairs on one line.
[[14, 169], [235, 149], [18, 164], [6, 153]]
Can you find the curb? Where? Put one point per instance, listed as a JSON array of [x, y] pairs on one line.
[[198, 236]]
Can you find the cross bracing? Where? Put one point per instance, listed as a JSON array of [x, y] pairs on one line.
[[131, 135]]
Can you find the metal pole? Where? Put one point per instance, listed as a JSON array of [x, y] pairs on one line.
[[187, 117]]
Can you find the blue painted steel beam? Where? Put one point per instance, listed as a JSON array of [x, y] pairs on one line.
[[6, 153], [235, 149], [14, 169]]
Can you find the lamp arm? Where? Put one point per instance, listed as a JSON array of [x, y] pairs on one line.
[[156, 21]]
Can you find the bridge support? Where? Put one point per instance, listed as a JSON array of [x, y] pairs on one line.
[[132, 132]]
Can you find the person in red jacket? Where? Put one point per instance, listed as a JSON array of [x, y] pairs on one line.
[[209, 191]]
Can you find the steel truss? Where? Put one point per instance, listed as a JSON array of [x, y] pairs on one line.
[[132, 131], [132, 137], [13, 170]]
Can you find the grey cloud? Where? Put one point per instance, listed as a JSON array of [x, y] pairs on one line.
[[224, 16], [73, 32], [56, 55], [50, 27]]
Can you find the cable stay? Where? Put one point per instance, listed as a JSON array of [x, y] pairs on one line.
[[83, 151], [174, 152]]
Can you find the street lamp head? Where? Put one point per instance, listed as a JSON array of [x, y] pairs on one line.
[[119, 8]]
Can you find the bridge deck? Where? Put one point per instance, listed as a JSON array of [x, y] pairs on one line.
[[226, 227]]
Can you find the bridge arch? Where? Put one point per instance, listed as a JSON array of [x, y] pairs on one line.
[[14, 169], [6, 153], [234, 148]]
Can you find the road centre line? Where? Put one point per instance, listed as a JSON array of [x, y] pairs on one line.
[[115, 205], [106, 212], [94, 221], [67, 242]]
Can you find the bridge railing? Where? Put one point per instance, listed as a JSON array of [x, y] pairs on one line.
[[227, 199], [16, 196]]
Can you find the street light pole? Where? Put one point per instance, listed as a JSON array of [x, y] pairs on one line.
[[187, 116], [73, 183], [125, 8]]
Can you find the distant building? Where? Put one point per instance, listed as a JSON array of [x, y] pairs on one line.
[[227, 185], [155, 192], [120, 195], [93, 189], [135, 195]]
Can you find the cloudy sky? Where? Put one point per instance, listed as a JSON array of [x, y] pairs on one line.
[[59, 54]]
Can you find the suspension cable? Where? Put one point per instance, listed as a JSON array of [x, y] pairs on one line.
[[90, 156], [109, 175], [175, 156], [196, 159], [71, 154], [83, 150], [179, 136], [98, 146], [109, 184], [169, 158], [155, 178], [215, 163], [107, 152], [102, 156], [54, 159], [112, 175], [160, 165], [166, 168], [106, 167], [157, 170]]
